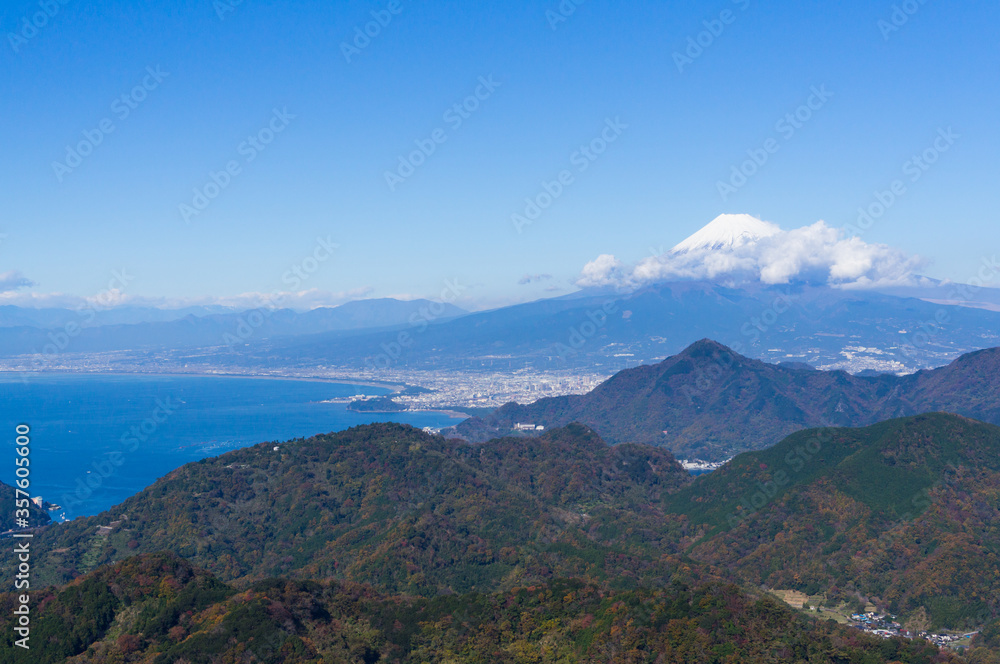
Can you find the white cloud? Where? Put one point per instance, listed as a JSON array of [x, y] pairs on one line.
[[109, 299], [816, 254], [13, 280], [533, 278], [602, 271]]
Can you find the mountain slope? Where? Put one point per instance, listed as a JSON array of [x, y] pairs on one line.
[[725, 232], [389, 505], [711, 402], [158, 609], [905, 513]]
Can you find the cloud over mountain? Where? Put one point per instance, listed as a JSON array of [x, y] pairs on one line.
[[533, 278], [111, 298], [13, 280], [741, 248]]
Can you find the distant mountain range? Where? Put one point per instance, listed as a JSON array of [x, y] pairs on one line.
[[50, 318], [740, 280], [710, 402], [598, 330], [27, 331]]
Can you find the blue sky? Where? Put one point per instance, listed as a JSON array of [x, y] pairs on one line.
[[553, 87]]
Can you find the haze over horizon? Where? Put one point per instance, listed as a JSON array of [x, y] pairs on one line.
[[239, 148]]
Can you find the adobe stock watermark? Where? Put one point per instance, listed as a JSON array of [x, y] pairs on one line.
[[786, 128], [122, 107], [927, 331], [363, 35], [921, 502], [580, 160], [595, 320], [249, 149], [32, 23], [579, 335], [294, 277], [766, 491], [900, 16], [562, 13], [768, 318], [224, 7], [419, 321], [752, 330], [61, 338], [913, 169], [110, 462], [714, 27], [454, 118]]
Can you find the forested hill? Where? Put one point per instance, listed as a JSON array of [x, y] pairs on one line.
[[902, 514], [905, 513], [389, 505], [159, 609], [710, 402]]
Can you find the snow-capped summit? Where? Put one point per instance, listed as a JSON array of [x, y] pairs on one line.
[[727, 231]]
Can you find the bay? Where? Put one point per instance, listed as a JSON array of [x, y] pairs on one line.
[[98, 439]]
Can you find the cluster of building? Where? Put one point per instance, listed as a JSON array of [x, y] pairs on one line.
[[528, 427], [698, 466], [885, 625]]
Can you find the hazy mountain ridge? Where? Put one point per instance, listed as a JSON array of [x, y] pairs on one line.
[[600, 329], [596, 329], [710, 402], [75, 332]]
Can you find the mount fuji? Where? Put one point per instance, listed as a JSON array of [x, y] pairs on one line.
[[726, 232]]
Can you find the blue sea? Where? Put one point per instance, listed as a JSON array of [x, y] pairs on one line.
[[98, 439]]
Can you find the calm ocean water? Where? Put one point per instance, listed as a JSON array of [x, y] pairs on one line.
[[96, 440]]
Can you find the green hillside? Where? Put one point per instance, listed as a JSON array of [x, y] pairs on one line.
[[158, 609], [905, 513], [389, 505]]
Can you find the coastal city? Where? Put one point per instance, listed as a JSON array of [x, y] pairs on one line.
[[429, 389]]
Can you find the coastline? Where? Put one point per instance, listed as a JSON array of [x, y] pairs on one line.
[[442, 411], [393, 387]]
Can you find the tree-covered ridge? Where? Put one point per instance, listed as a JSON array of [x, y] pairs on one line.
[[905, 513], [389, 505], [145, 595], [711, 402], [158, 609]]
